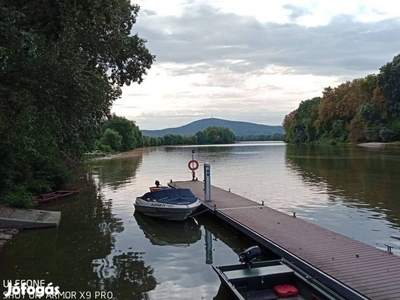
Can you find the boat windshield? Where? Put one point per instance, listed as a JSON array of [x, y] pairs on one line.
[[166, 195]]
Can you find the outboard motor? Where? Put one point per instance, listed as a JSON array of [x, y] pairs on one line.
[[249, 254]]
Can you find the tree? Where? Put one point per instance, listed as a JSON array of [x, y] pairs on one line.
[[112, 138], [389, 79], [62, 64], [127, 129]]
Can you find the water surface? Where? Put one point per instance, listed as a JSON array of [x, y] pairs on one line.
[[102, 245]]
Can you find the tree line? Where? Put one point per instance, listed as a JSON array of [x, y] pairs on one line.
[[362, 110], [119, 134], [262, 137]]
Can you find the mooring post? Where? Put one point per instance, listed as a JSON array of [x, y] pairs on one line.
[[207, 182]]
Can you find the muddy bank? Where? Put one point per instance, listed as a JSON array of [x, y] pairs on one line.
[[132, 153], [373, 145]]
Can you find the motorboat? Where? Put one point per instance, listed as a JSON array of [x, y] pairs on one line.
[[271, 279], [169, 203]]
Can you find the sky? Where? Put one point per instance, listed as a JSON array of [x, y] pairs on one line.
[[253, 60]]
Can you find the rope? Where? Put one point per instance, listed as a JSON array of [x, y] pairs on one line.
[[201, 212]]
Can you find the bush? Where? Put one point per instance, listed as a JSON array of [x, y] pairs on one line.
[[372, 133], [388, 135], [19, 198]]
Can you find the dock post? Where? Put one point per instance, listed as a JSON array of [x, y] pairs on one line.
[[207, 182]]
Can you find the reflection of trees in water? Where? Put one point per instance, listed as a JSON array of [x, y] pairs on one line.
[[125, 275], [65, 256], [116, 172], [355, 174]]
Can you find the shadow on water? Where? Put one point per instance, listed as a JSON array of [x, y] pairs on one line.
[[361, 177], [169, 233]]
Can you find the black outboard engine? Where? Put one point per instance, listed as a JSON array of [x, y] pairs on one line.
[[247, 256]]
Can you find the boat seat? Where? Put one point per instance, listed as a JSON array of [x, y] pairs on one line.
[[256, 272]]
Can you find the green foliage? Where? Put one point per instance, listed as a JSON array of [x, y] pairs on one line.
[[98, 146], [112, 139], [388, 135], [62, 65], [262, 137], [131, 137], [369, 114], [211, 135], [389, 81], [19, 198], [372, 133]]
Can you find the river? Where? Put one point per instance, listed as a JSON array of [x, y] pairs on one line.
[[101, 245]]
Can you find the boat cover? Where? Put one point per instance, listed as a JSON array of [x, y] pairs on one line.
[[171, 196]]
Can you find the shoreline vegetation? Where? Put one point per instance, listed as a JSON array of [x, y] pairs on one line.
[[359, 111]]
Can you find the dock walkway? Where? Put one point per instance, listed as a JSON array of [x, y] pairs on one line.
[[368, 272], [28, 218]]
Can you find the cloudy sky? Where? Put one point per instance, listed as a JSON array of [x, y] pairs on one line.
[[253, 60]]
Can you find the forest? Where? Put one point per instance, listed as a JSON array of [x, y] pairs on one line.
[[362, 110]]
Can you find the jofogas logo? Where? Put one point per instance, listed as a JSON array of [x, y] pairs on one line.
[[29, 289]]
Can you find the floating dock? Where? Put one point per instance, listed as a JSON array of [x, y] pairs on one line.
[[352, 269], [28, 218]]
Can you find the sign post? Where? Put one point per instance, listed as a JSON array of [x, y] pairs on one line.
[[207, 182]]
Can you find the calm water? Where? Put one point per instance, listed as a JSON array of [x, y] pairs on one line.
[[101, 245]]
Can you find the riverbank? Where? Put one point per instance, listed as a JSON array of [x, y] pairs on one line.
[[373, 145], [128, 154]]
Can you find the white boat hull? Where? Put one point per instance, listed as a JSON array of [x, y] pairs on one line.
[[174, 212]]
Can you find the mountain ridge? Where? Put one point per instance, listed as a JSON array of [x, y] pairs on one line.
[[239, 128]]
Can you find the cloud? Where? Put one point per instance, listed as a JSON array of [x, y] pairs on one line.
[[204, 35], [210, 59], [296, 11]]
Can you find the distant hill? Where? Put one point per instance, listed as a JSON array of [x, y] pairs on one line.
[[237, 127]]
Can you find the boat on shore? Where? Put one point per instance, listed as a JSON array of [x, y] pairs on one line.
[[168, 204], [43, 198], [270, 280]]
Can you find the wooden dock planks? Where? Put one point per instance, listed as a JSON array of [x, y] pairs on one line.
[[369, 271]]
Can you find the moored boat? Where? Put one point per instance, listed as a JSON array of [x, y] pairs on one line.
[[43, 198], [168, 203], [270, 280], [158, 187]]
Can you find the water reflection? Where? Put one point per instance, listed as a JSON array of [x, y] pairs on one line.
[[64, 256], [125, 274], [116, 172], [361, 188], [352, 174], [168, 233], [102, 245]]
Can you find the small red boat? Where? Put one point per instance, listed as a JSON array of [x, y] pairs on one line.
[[43, 198]]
